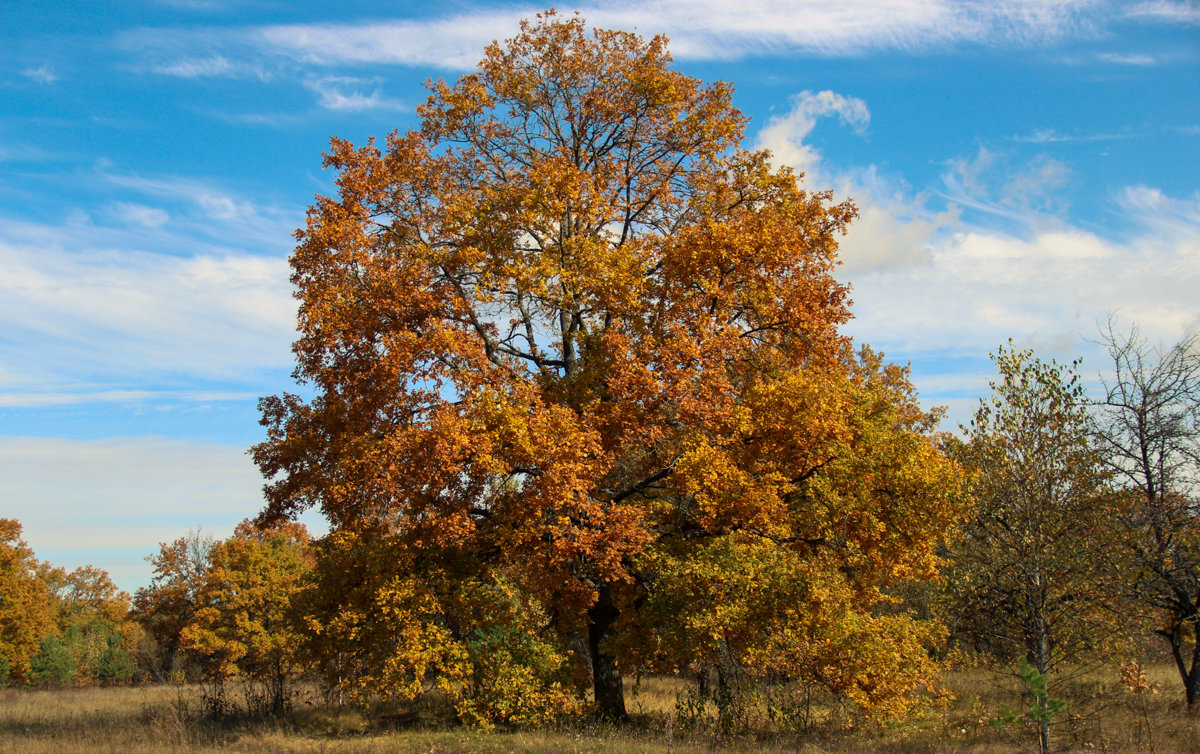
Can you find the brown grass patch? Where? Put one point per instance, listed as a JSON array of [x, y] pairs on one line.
[[1103, 716]]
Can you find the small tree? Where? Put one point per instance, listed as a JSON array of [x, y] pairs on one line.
[[243, 624], [1038, 707], [115, 663], [169, 603], [1150, 431], [1032, 568], [55, 665]]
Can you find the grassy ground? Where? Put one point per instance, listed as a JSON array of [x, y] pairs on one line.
[[1103, 716]]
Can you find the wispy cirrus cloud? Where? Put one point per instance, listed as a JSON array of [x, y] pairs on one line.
[[995, 183], [1155, 209], [42, 74], [210, 66], [70, 310], [175, 282], [699, 30], [196, 5], [1000, 259], [241, 223], [1123, 59], [713, 29], [453, 42], [1053, 136], [71, 395], [140, 214], [1175, 11], [12, 151], [346, 93]]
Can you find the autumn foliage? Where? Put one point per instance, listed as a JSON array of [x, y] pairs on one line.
[[25, 615], [567, 337], [579, 408], [1037, 572], [242, 626], [59, 627], [167, 605]]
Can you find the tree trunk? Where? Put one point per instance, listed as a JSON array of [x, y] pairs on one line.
[[607, 684], [704, 680], [724, 700], [1043, 666], [1191, 682], [1189, 673]]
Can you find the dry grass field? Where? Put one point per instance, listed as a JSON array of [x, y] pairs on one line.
[[1103, 716]]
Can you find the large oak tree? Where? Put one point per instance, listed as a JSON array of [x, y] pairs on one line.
[[567, 332]]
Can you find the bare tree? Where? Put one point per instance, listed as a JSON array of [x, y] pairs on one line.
[[1149, 426]]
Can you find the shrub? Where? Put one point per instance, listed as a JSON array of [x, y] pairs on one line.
[[54, 664], [115, 664], [518, 680]]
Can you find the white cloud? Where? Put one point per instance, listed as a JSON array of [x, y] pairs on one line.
[[1052, 136], [240, 222], [69, 309], [342, 93], [216, 204], [931, 288], [1175, 11], [699, 30], [140, 214], [982, 286], [73, 397], [713, 29], [205, 67], [1050, 293], [784, 135], [893, 229], [1044, 280], [110, 502], [188, 290], [454, 42], [1180, 217], [43, 74], [1112, 57]]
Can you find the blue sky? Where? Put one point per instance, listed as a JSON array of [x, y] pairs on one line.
[[1023, 168]]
